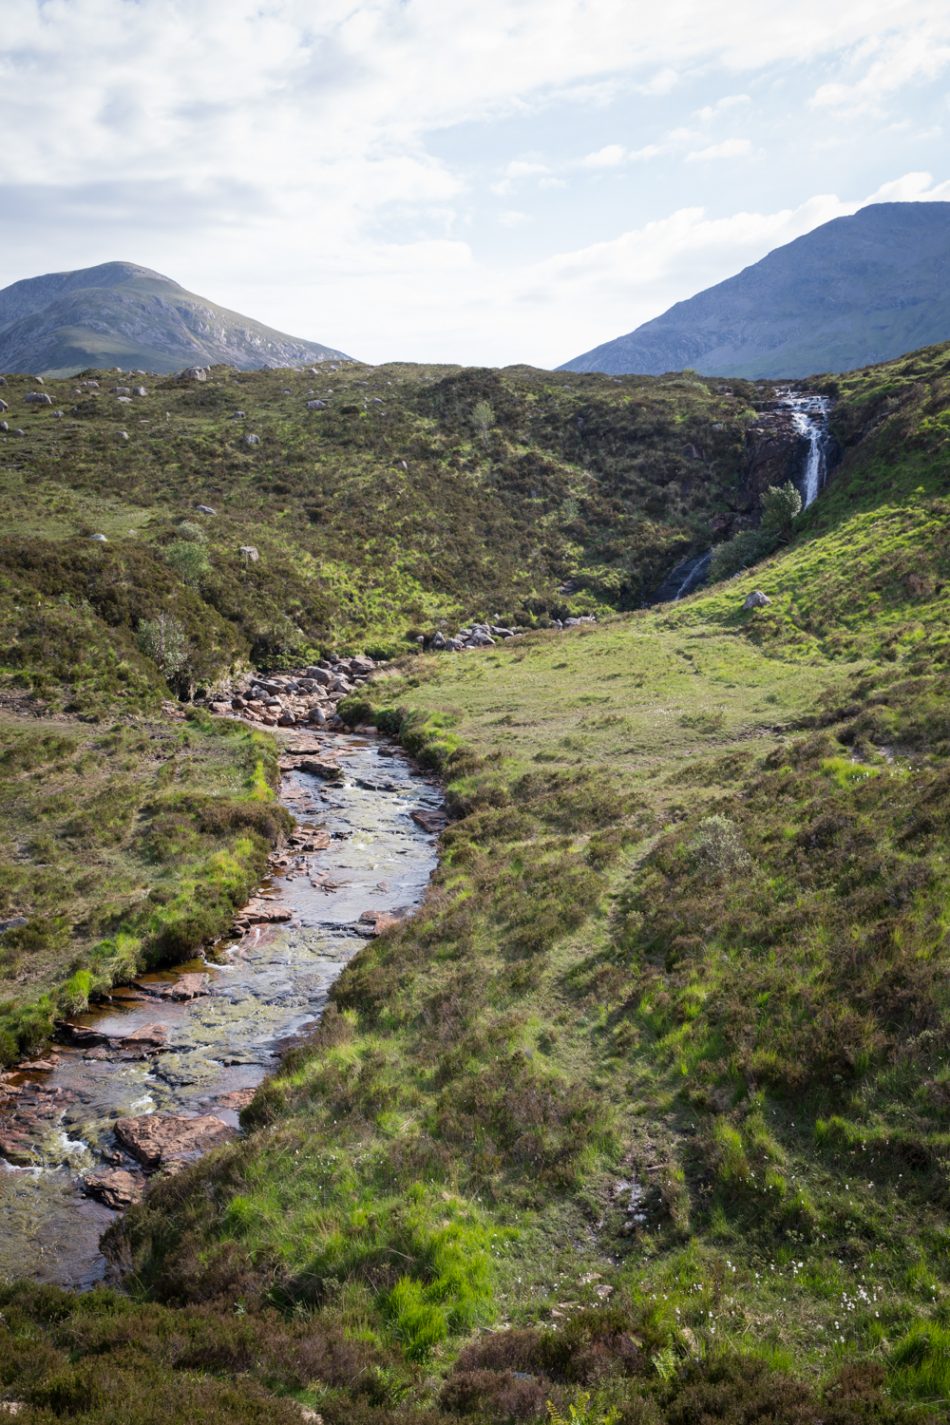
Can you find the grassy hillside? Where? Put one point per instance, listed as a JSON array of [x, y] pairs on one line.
[[120, 847], [415, 495], [642, 1119]]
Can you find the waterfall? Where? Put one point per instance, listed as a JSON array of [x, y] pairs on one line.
[[810, 417]]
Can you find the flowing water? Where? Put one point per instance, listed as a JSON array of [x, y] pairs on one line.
[[810, 416], [264, 988]]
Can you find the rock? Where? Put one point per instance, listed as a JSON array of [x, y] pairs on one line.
[[116, 1187], [147, 1040], [169, 1139], [81, 1034], [239, 415], [317, 767], [195, 373], [99, 538], [316, 405], [122, 435], [17, 430], [121, 391], [236, 1099], [757, 600], [16, 1148], [4, 406], [12, 922], [38, 398], [4, 426], [59, 415], [249, 553], [205, 510], [376, 921], [252, 440], [139, 391], [262, 912], [186, 987], [431, 821]]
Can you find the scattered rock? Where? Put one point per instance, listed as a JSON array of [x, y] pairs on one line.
[[252, 440], [262, 912], [170, 1139], [186, 987], [195, 373], [205, 510], [433, 822], [122, 435], [325, 770], [4, 406], [249, 553], [316, 405], [116, 1187], [147, 1040], [38, 398], [757, 600], [376, 921], [99, 538]]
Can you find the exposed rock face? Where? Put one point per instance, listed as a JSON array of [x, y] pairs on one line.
[[119, 314], [757, 600], [170, 1140]]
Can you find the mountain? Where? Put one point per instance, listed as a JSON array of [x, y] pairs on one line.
[[119, 314], [855, 291]]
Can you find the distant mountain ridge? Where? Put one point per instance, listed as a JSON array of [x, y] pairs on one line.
[[853, 292], [120, 314]]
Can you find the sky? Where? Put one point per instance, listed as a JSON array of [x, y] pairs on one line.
[[435, 180]]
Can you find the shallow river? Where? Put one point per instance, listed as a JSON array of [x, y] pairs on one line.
[[263, 988]]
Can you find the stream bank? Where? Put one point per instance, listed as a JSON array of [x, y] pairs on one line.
[[159, 1073]]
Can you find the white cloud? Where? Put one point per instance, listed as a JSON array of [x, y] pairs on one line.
[[610, 156], [888, 63], [709, 112], [268, 153], [728, 148]]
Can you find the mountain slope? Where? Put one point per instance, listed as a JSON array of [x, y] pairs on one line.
[[122, 315], [853, 292]]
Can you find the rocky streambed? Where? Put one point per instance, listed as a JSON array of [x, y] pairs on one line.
[[157, 1076]]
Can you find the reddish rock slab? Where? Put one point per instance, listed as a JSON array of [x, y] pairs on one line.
[[162, 1140], [147, 1040], [320, 767], [433, 822], [377, 921], [116, 1187], [236, 1099], [17, 1149], [185, 987], [263, 912]]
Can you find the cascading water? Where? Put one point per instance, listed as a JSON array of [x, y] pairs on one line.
[[810, 417]]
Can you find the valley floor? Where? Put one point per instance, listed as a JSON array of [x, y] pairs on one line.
[[642, 1119]]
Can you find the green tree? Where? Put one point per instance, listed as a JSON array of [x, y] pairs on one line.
[[780, 506]]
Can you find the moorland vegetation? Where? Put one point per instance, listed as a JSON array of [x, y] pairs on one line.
[[641, 1120]]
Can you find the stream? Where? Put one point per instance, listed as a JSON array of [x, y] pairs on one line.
[[256, 993]]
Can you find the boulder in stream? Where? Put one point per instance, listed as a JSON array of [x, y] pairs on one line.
[[170, 1140]]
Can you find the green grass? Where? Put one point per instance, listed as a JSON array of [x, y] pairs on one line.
[[121, 846], [643, 1115], [387, 513]]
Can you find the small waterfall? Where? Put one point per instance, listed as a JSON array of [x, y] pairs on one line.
[[683, 578], [810, 416]]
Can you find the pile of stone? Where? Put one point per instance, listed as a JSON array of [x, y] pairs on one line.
[[309, 696], [486, 635], [476, 635]]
